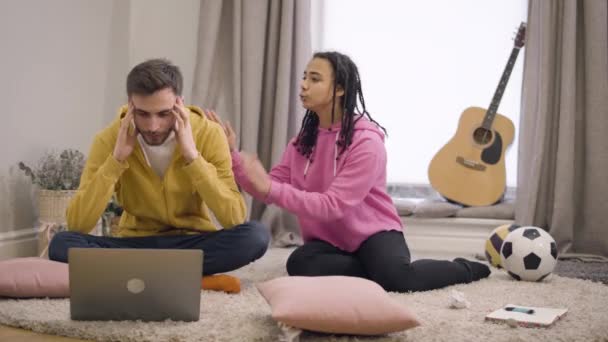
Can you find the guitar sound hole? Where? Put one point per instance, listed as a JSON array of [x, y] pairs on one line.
[[482, 136]]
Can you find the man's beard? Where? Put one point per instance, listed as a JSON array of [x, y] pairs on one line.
[[157, 138]]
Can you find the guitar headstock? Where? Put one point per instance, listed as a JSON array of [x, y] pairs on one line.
[[520, 37]]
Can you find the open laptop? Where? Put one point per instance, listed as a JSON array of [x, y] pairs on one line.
[[135, 284]]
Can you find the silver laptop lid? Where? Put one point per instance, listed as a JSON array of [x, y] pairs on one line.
[[135, 284]]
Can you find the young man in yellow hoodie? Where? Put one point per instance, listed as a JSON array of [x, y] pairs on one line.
[[169, 166]]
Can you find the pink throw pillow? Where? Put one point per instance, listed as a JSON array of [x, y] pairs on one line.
[[335, 304], [33, 277]]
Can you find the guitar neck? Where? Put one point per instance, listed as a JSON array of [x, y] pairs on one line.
[[491, 113]]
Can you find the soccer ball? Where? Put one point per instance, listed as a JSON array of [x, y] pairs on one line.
[[494, 243], [529, 253]]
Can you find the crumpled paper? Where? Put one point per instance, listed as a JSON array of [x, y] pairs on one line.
[[458, 300], [289, 333]]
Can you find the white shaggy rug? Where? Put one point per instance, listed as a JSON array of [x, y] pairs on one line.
[[246, 316]]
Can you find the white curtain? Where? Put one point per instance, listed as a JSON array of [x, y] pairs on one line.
[[250, 58]]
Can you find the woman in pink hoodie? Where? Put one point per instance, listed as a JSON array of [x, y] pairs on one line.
[[332, 176]]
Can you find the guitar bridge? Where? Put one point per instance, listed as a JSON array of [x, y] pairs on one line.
[[471, 164]]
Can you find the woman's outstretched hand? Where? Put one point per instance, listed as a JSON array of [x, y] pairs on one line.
[[253, 167], [256, 173], [230, 135]]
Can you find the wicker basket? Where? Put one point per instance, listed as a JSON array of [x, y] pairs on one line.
[[52, 205]]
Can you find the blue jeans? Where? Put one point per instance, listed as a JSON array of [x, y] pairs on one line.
[[224, 250]]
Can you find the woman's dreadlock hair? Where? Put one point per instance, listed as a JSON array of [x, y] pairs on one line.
[[346, 75]]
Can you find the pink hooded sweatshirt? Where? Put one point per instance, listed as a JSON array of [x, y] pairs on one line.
[[342, 202]]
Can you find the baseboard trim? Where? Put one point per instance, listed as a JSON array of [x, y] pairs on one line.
[[457, 236], [19, 243]]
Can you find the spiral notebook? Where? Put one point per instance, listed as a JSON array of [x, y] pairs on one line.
[[526, 316]]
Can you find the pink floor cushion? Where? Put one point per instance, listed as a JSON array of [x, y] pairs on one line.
[[33, 277], [335, 304]]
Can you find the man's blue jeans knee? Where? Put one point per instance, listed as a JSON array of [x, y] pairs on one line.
[[224, 250]]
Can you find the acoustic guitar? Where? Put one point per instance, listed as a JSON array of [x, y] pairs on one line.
[[470, 168]]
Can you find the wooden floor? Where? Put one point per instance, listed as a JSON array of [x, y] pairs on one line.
[[19, 335]]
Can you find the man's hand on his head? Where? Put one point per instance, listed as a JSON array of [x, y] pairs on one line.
[[183, 131], [230, 135], [127, 133]]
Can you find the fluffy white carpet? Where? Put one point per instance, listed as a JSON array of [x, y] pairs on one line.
[[246, 316]]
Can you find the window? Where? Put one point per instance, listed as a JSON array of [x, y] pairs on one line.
[[422, 63]]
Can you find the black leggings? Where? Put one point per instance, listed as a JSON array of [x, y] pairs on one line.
[[383, 258]]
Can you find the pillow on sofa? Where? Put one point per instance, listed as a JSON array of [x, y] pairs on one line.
[[404, 206], [504, 211], [335, 304], [436, 208], [33, 277]]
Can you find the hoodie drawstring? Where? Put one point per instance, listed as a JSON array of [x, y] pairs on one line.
[[335, 157], [336, 153], [307, 165]]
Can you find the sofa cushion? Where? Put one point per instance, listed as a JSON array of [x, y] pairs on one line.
[[405, 207], [504, 211], [435, 208]]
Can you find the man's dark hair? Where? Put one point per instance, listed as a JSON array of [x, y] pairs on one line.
[[153, 75], [346, 76]]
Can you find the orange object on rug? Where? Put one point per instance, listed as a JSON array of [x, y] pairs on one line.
[[221, 282]]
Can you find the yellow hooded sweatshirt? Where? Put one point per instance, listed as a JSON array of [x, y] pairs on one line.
[[176, 204]]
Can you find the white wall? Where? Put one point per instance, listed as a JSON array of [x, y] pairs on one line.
[[421, 64], [53, 66], [168, 29], [63, 66]]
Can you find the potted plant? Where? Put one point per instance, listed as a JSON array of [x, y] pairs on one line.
[[111, 217], [57, 176]]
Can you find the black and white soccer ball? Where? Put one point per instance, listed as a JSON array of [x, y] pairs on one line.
[[529, 253]]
